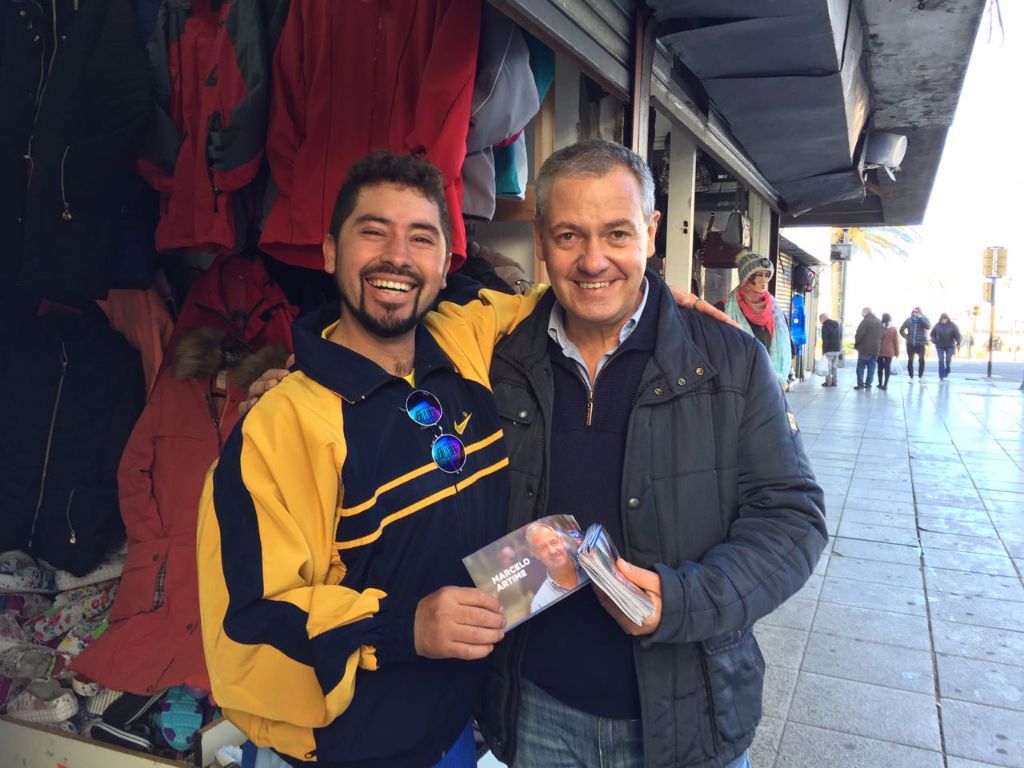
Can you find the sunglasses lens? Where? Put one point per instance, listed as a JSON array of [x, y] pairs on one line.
[[423, 408], [448, 453]]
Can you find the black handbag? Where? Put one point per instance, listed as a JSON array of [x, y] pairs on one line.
[[715, 251]]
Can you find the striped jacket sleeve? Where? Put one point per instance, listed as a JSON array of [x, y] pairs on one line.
[[271, 604]]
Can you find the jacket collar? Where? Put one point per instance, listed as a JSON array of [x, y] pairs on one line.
[[680, 363], [348, 373]]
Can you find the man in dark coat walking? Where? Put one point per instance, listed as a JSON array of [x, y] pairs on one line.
[[866, 342], [915, 331], [831, 346]]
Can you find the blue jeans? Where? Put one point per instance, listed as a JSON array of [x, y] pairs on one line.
[[462, 754], [554, 735], [866, 362], [945, 356]]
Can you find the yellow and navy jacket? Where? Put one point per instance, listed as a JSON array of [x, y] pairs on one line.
[[323, 524]]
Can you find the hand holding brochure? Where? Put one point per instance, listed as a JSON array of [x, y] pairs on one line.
[[541, 563]]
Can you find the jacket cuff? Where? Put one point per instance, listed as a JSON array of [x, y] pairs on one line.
[[396, 640], [673, 605]]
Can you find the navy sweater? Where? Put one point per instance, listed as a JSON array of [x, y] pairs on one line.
[[575, 651]]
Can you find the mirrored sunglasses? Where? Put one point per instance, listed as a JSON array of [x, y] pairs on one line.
[[447, 451]]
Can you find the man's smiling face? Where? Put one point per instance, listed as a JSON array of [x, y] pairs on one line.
[[595, 242], [389, 259]]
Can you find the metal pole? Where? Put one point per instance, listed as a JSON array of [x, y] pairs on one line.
[[991, 326]]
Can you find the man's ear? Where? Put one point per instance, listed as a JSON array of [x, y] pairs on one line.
[[330, 254], [538, 238], [444, 271], [652, 230]]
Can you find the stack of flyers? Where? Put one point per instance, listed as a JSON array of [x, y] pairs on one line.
[[597, 555]]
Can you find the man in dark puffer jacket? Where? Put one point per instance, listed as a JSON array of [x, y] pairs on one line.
[[670, 429]]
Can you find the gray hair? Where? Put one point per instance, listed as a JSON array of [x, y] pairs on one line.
[[594, 157]]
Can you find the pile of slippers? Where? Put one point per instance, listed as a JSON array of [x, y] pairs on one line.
[[47, 618]]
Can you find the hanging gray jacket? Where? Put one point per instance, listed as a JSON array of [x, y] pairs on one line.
[[717, 496]]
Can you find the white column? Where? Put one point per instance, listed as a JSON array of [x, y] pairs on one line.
[[678, 219]]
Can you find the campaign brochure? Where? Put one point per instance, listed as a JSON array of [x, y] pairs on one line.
[[534, 567], [531, 568]]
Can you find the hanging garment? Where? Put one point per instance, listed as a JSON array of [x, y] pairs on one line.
[[145, 322], [505, 99], [75, 86], [70, 393], [235, 324], [211, 59], [351, 78]]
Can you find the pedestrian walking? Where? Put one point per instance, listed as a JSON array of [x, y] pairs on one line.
[[887, 350], [915, 331], [867, 341], [831, 346], [946, 337]]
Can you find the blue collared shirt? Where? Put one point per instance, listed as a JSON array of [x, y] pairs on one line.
[[556, 330]]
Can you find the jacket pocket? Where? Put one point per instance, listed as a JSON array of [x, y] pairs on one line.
[[733, 675], [140, 583]]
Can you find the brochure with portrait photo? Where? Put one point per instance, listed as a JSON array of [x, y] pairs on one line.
[[531, 568], [540, 564]]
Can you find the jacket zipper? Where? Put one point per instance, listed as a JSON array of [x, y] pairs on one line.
[[49, 440], [44, 80], [73, 538], [66, 213], [215, 418]]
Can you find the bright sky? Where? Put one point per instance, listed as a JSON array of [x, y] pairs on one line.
[[976, 201]]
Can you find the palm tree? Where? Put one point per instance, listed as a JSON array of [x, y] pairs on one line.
[[879, 241]]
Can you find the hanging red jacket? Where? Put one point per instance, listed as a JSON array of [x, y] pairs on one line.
[[235, 324], [351, 78], [211, 60]]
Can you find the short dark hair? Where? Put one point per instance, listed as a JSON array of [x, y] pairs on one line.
[[392, 168]]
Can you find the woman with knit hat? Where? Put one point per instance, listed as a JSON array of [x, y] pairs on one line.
[[758, 314]]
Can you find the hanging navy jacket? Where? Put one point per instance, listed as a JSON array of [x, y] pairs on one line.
[[70, 392], [75, 87]]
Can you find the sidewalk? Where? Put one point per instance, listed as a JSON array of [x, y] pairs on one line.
[[906, 648]]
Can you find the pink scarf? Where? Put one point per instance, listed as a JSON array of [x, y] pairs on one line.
[[757, 307]]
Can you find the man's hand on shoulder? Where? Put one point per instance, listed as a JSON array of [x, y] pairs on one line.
[[458, 623], [267, 381], [688, 300], [650, 583]]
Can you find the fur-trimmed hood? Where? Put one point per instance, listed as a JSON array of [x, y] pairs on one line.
[[235, 317]]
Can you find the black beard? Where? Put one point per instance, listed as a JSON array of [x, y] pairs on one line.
[[391, 326]]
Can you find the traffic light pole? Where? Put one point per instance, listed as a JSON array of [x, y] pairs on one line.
[[991, 325]]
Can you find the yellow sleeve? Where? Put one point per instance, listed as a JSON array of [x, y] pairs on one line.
[[271, 604], [479, 324]]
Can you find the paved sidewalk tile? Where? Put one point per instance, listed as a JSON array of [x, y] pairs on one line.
[[983, 682], [994, 565], [884, 627], [974, 584], [985, 643], [978, 732], [876, 596], [980, 611], [876, 550], [781, 646], [884, 533], [765, 748], [868, 710], [805, 746], [876, 571], [867, 662], [794, 613]]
